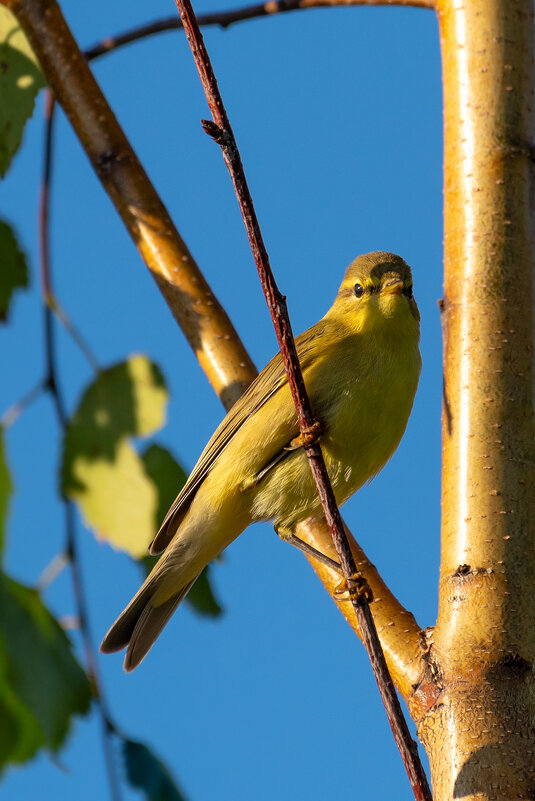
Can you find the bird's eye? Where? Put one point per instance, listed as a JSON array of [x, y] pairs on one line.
[[359, 290], [408, 291]]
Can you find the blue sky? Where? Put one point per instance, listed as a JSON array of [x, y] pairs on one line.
[[338, 116]]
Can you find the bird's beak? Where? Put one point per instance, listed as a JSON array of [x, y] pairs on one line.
[[393, 288]]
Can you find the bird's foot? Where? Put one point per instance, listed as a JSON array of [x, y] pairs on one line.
[[288, 536], [306, 438], [353, 588]]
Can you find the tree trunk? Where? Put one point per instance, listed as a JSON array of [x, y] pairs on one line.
[[479, 734]]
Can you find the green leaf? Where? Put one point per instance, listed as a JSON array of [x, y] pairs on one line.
[[148, 773], [101, 470], [41, 684], [13, 268], [5, 490], [128, 399], [20, 80], [118, 500]]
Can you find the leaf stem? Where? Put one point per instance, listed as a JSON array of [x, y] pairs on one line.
[[221, 131]]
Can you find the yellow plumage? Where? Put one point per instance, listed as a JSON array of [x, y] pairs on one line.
[[361, 366]]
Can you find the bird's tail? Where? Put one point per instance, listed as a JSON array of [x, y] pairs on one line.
[[138, 627]]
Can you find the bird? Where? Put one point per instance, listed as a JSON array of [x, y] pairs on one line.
[[361, 366]]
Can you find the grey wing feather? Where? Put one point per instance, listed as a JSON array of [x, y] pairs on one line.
[[265, 385], [149, 626]]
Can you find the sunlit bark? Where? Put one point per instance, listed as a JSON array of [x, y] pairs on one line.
[[479, 735]]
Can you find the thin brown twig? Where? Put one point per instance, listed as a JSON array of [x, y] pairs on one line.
[[77, 337], [221, 131], [225, 19], [52, 385], [44, 239], [55, 567]]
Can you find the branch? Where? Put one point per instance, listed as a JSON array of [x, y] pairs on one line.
[[71, 546], [44, 237], [221, 354], [398, 630], [19, 407], [480, 737], [221, 130], [224, 19], [204, 322]]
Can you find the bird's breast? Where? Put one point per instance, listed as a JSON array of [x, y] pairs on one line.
[[365, 408], [362, 393]]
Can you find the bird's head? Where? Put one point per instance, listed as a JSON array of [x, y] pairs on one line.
[[377, 287]]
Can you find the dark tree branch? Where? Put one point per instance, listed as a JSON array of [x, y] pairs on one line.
[[358, 589], [44, 235], [52, 385], [223, 19]]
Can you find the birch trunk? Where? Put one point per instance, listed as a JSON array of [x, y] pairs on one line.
[[479, 734]]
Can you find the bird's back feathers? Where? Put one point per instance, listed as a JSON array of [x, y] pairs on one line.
[[265, 385]]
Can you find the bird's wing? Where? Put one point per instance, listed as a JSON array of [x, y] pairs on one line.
[[265, 385]]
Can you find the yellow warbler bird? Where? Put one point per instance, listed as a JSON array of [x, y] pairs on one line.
[[361, 366]]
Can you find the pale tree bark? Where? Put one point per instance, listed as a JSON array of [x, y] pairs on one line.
[[469, 681], [480, 734]]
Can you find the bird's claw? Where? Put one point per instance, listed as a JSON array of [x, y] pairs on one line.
[[354, 588], [306, 438]]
